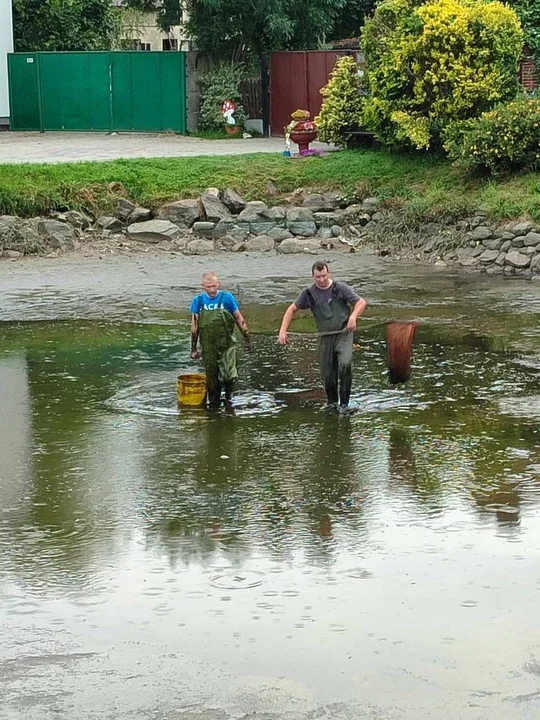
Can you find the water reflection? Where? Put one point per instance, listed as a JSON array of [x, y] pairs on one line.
[[83, 478]]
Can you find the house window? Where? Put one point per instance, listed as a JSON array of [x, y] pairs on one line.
[[170, 44], [138, 45]]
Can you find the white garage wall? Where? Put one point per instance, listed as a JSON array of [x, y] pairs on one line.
[[6, 46]]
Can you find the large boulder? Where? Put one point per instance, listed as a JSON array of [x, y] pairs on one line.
[[489, 256], [278, 234], [182, 213], [22, 236], [255, 211], [481, 233], [261, 243], [78, 219], [528, 250], [494, 244], [200, 246], [238, 234], [124, 208], [153, 231], [317, 202], [233, 201], [531, 239], [211, 207], [107, 222], [278, 213], [299, 245], [57, 235], [262, 228], [140, 214], [295, 214], [204, 228], [328, 219], [300, 221], [521, 228], [223, 228], [305, 229], [517, 260]]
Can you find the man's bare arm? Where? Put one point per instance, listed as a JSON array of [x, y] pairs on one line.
[[290, 312], [194, 335], [241, 322], [358, 309]]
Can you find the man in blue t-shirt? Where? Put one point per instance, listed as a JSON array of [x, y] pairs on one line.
[[214, 316]]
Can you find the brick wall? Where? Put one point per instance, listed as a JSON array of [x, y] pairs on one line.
[[528, 73]]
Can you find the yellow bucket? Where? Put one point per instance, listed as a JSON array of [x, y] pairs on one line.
[[191, 389]]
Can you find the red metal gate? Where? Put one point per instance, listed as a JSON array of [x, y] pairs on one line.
[[296, 78]]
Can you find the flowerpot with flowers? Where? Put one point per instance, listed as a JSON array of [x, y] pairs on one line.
[[301, 130]]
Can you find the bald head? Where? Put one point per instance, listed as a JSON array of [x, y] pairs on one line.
[[210, 283]]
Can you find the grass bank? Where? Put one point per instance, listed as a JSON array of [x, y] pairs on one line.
[[422, 185]]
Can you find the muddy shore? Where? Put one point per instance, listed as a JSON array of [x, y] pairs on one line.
[[138, 285]]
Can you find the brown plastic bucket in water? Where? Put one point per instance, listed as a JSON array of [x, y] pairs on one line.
[[191, 389], [399, 342]]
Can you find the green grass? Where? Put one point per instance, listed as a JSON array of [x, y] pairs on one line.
[[419, 184]]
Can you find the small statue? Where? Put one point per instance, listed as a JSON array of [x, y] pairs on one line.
[[227, 110]]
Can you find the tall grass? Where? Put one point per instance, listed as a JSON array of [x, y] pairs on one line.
[[422, 184]]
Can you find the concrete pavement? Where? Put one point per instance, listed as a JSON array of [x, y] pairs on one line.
[[52, 147]]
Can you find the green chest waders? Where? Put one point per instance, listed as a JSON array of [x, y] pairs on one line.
[[335, 351], [218, 345]]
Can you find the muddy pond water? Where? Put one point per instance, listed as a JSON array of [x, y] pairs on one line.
[[280, 562]]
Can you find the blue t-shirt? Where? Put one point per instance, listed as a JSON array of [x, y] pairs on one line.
[[222, 301]]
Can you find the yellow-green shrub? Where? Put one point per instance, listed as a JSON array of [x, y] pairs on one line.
[[437, 63], [504, 139], [341, 110]]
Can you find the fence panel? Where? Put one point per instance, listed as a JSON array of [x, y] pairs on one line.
[[24, 100], [75, 91], [102, 91], [296, 78], [251, 92]]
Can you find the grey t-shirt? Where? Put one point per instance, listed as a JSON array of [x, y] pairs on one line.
[[321, 297]]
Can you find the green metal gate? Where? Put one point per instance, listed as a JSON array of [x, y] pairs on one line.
[[102, 91]]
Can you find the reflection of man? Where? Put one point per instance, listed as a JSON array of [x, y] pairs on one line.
[[214, 315], [331, 303]]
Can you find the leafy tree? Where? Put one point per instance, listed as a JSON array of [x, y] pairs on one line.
[[529, 13], [233, 28], [341, 110], [437, 63], [279, 24], [168, 12], [351, 18], [65, 25]]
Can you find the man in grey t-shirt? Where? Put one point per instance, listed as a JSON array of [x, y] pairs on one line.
[[336, 308]]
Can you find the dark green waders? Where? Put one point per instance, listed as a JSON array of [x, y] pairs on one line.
[[335, 351], [218, 345]]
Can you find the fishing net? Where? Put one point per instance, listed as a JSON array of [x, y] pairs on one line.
[[399, 343]]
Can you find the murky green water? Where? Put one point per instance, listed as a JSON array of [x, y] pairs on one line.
[[286, 562]]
